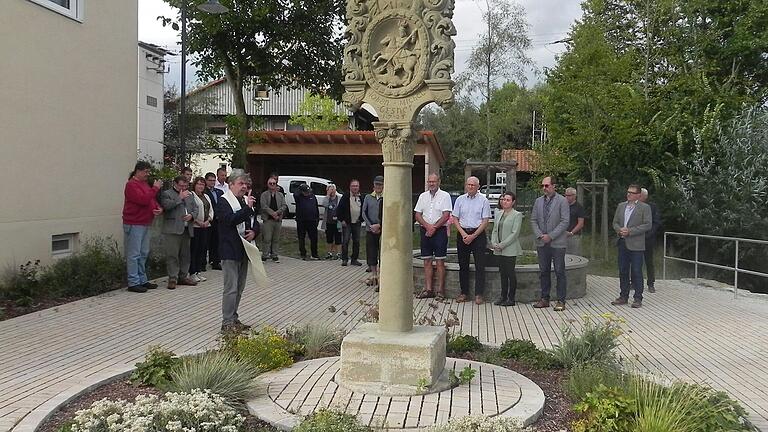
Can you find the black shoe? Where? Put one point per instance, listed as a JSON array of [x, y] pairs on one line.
[[357, 263], [368, 270], [137, 289], [343, 263], [264, 259], [651, 288], [275, 259], [149, 285], [304, 258], [216, 266], [508, 303], [499, 302]]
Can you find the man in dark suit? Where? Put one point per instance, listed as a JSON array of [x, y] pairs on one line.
[[236, 220], [631, 221], [178, 208], [213, 245], [307, 218], [650, 239], [350, 215]]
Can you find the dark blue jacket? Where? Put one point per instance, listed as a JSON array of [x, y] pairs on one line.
[[306, 207], [230, 245], [215, 195]]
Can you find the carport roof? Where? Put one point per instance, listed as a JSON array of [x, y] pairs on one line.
[[338, 142]]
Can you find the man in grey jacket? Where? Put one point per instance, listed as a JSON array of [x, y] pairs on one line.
[[273, 208], [178, 210], [631, 221], [549, 221]]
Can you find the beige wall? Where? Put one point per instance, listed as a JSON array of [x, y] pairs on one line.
[[68, 110]]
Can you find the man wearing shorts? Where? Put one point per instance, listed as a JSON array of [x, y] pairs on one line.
[[432, 212]]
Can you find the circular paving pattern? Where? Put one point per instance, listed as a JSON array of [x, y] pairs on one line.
[[309, 386]]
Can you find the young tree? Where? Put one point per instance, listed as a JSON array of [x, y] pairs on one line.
[[500, 54], [294, 43], [316, 113]]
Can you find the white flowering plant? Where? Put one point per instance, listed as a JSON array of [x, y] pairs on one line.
[[197, 411], [479, 423]]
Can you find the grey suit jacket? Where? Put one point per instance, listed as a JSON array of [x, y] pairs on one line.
[[556, 225], [174, 210], [639, 223]]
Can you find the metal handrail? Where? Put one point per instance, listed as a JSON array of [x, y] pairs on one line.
[[696, 261]]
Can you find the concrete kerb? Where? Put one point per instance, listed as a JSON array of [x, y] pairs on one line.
[[38, 416]]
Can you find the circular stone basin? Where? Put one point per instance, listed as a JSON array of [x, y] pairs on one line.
[[528, 283], [310, 385]]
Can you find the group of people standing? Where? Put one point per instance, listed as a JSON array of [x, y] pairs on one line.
[[556, 222], [200, 227]]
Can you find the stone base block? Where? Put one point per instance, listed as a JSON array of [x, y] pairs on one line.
[[392, 364]]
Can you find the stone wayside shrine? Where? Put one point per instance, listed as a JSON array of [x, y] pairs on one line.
[[399, 58]]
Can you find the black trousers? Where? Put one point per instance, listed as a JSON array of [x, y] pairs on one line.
[[350, 231], [198, 246], [650, 269], [508, 276], [372, 248], [213, 243], [306, 228], [478, 250]]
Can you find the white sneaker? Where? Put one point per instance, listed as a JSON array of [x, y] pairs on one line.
[[200, 278]]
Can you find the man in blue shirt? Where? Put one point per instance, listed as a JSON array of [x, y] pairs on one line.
[[471, 214]]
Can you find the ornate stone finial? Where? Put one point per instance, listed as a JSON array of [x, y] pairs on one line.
[[397, 141]]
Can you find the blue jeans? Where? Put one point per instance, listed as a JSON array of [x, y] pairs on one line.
[[547, 256], [136, 253], [630, 262]]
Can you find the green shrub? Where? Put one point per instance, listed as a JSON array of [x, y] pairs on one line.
[[527, 352], [218, 371], [265, 349], [467, 375], [331, 421], [317, 340], [686, 408], [595, 344], [22, 286], [155, 370], [97, 268], [463, 343], [478, 423], [606, 409], [585, 378]]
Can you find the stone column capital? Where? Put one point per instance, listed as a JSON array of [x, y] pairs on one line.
[[398, 140]]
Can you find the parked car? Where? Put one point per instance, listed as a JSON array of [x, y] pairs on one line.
[[493, 193], [290, 185]]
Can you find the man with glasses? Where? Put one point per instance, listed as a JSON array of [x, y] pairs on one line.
[[273, 207], [549, 220], [575, 223], [350, 214], [631, 221], [470, 216]]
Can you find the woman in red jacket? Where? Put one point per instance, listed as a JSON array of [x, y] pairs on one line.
[[139, 209]]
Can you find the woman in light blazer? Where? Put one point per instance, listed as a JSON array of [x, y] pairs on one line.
[[505, 242], [201, 223]]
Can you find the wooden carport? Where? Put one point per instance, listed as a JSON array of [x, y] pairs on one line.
[[336, 155]]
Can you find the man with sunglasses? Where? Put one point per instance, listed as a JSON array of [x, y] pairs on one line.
[[273, 207], [631, 221], [549, 220]]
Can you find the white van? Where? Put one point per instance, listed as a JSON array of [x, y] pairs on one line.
[[290, 185]]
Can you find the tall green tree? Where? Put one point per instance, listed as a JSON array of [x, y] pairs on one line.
[[292, 43]]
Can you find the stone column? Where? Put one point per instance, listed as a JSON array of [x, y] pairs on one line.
[[397, 141]]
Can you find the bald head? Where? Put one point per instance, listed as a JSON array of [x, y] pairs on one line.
[[471, 186]]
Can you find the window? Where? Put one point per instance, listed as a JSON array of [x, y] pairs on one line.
[[63, 244], [69, 8], [152, 101], [279, 125], [294, 186], [217, 130], [318, 188]]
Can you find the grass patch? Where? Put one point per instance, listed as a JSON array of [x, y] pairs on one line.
[[220, 372]]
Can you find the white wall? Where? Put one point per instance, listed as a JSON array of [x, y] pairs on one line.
[[68, 108]]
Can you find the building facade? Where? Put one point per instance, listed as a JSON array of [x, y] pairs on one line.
[[150, 102], [68, 115]]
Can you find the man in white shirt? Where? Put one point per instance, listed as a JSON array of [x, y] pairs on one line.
[[432, 212], [221, 180], [470, 216]]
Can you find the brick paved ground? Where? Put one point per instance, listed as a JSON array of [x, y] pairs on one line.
[[682, 331]]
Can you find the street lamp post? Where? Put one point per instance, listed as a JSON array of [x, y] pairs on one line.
[[211, 7]]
